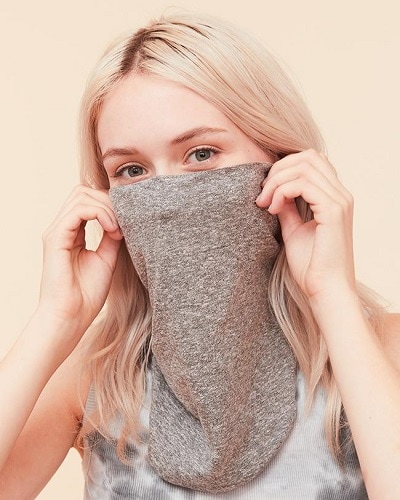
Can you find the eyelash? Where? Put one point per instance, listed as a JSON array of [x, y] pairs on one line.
[[201, 148], [123, 168]]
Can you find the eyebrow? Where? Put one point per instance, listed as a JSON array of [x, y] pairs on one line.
[[186, 136], [195, 132]]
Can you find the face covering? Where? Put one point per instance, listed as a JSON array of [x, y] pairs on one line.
[[224, 376]]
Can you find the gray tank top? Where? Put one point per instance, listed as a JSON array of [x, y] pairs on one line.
[[303, 469]]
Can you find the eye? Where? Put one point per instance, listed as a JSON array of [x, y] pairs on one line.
[[129, 171], [201, 154]]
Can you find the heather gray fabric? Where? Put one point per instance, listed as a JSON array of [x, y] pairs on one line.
[[224, 377], [303, 468]]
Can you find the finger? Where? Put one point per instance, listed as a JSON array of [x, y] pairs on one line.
[[305, 158], [83, 194], [90, 198], [289, 219], [80, 240], [63, 233], [78, 203], [306, 173], [101, 194], [116, 235], [323, 206], [108, 250]]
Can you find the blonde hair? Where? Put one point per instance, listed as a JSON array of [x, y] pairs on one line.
[[240, 77]]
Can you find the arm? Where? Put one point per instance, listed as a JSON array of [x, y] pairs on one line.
[[369, 384], [24, 373], [75, 284], [49, 433], [320, 256], [391, 338]]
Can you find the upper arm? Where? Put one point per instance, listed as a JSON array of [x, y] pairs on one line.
[[50, 432], [391, 338]]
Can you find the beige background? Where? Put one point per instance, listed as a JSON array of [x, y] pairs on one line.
[[344, 53]]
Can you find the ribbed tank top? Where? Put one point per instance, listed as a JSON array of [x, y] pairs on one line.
[[303, 469]]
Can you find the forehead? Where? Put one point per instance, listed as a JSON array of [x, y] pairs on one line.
[[146, 106]]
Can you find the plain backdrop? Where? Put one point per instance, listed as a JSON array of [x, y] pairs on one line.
[[343, 54]]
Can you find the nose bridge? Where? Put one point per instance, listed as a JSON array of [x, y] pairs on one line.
[[165, 166]]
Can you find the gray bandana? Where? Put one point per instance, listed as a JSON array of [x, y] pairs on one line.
[[224, 376]]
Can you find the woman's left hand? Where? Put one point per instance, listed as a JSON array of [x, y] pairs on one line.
[[320, 251]]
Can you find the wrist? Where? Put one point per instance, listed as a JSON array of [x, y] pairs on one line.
[[335, 301], [343, 323], [50, 337], [334, 293]]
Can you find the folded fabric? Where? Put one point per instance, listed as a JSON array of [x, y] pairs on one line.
[[224, 376]]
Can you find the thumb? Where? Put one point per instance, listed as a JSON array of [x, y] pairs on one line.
[[108, 250], [289, 219]]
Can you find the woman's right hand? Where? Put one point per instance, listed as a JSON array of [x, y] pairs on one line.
[[76, 281]]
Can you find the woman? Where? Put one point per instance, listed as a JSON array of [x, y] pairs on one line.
[[251, 322]]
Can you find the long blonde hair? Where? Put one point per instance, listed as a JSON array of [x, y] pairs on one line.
[[239, 76]]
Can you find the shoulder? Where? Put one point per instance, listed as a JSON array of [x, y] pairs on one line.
[[391, 337]]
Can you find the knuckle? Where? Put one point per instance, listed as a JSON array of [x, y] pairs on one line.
[[281, 190], [307, 168], [47, 237], [350, 199], [80, 188], [338, 210], [48, 232], [82, 198], [312, 154], [334, 170]]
